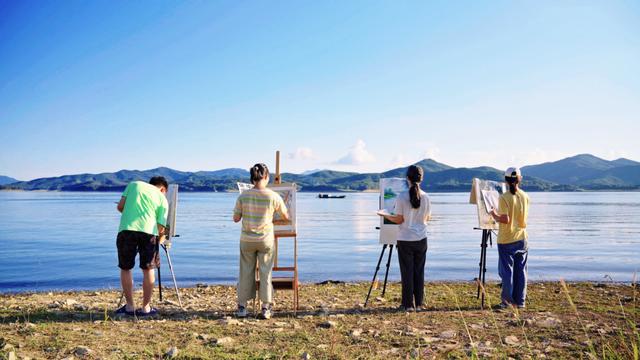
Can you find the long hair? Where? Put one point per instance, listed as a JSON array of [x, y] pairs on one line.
[[415, 175], [512, 181], [258, 172]]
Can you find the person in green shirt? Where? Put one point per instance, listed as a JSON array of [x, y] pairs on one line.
[[144, 210]]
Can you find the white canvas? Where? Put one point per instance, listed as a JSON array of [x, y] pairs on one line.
[[172, 199], [287, 192], [390, 188], [486, 195]]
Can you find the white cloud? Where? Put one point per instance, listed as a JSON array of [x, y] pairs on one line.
[[302, 153], [432, 153], [399, 160], [357, 155]]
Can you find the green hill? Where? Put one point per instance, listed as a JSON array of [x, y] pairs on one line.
[[581, 172]]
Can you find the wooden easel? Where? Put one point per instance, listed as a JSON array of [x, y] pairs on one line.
[[283, 282]]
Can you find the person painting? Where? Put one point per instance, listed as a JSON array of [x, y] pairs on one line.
[[256, 207], [144, 210], [512, 240], [412, 212]]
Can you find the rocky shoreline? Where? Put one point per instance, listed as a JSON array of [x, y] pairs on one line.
[[577, 320]]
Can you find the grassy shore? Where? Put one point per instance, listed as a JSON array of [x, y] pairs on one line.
[[576, 320]]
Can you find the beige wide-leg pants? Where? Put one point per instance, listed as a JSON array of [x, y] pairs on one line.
[[250, 252]]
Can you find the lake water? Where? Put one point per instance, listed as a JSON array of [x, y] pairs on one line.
[[57, 240]]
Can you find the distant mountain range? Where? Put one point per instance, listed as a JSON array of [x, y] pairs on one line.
[[580, 172], [4, 180]]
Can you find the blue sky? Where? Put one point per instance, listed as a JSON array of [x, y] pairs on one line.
[[94, 86]]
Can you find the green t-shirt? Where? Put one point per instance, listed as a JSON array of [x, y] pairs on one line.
[[145, 206]]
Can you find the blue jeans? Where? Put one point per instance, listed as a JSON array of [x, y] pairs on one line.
[[512, 267]]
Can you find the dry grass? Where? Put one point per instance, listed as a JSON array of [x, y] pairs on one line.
[[576, 320]]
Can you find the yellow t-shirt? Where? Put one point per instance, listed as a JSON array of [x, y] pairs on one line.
[[257, 208], [517, 207]]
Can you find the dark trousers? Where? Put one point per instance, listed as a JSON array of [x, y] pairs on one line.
[[412, 256]]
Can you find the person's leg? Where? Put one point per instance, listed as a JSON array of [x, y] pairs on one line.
[[520, 275], [247, 277], [126, 280], [148, 280], [127, 249], [265, 264], [149, 261], [405, 259], [505, 270], [419, 259]]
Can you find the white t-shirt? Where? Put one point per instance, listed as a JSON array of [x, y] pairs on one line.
[[414, 227]]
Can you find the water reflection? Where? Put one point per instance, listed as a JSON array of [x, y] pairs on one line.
[[67, 240]]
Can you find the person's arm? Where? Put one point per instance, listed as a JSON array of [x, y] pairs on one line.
[[121, 204], [237, 211], [398, 217], [281, 209], [428, 212], [162, 233], [123, 198], [503, 216]]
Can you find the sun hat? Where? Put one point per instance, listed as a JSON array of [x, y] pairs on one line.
[[513, 172]]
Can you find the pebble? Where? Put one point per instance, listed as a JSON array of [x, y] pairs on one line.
[[223, 341], [11, 356], [171, 353], [229, 321], [356, 333], [305, 356], [203, 337], [70, 302], [449, 334], [381, 299], [549, 322], [430, 339], [327, 325], [322, 346], [511, 340], [414, 353], [81, 351]]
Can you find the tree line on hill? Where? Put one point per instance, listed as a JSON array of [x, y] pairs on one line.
[[580, 172]]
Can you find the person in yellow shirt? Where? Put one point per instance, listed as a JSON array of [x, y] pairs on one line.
[[512, 240]]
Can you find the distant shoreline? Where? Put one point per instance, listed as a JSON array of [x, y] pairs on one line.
[[332, 191]]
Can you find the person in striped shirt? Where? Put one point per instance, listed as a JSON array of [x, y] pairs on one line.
[[256, 207]]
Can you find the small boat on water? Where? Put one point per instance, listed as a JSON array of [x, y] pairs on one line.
[[327, 196]]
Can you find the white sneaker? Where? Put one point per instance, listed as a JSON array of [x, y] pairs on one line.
[[242, 312], [266, 313]]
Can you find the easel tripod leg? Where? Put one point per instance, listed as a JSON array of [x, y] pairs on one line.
[[386, 274], [384, 247], [173, 275], [159, 277]]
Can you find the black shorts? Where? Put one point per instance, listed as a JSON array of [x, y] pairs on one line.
[[130, 243]]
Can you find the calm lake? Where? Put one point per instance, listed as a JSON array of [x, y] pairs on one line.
[[58, 240]]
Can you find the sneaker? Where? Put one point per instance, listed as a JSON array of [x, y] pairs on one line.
[[521, 306], [123, 311], [266, 313], [242, 312], [141, 313], [503, 306], [403, 308]]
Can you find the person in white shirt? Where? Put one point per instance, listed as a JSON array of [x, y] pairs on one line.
[[412, 212]]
